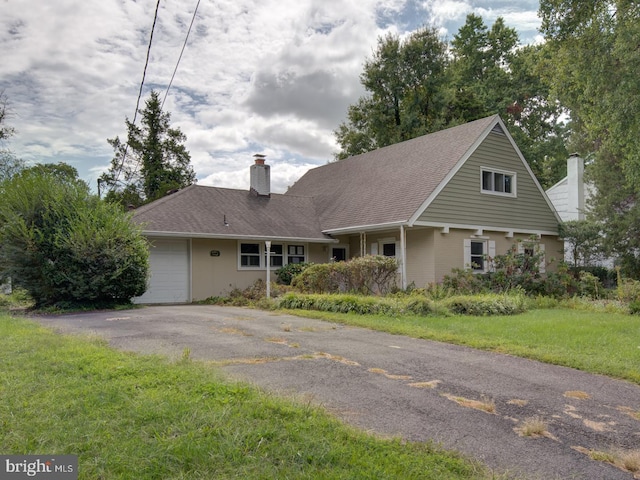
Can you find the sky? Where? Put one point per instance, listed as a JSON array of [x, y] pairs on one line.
[[274, 77]]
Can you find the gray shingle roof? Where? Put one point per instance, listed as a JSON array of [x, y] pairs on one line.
[[202, 210], [388, 184]]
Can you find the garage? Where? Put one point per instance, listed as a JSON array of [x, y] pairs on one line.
[[169, 266]]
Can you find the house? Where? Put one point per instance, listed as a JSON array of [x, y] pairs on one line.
[[450, 199], [570, 197]]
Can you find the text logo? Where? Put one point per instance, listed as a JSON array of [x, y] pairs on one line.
[[40, 467]]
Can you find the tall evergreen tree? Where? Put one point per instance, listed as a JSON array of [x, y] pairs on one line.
[[152, 162]]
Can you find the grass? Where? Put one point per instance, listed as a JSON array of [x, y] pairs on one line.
[[133, 416], [597, 342]]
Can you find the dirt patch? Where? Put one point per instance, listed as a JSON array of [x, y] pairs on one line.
[[431, 384], [389, 375], [518, 402], [580, 395], [488, 406]]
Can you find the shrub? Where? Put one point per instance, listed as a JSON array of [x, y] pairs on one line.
[[487, 304], [64, 246], [287, 273], [364, 275]]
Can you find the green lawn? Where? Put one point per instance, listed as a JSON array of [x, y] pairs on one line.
[[132, 416], [598, 342]]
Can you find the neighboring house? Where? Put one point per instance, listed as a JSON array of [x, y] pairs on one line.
[[570, 197], [450, 199]]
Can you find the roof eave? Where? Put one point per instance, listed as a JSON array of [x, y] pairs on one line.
[[154, 233], [365, 228]]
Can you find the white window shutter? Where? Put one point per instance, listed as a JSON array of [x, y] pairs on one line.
[[374, 249], [543, 260], [467, 253], [492, 255]]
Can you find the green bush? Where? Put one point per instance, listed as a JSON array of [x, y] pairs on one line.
[[66, 247], [487, 304], [363, 275], [287, 273]]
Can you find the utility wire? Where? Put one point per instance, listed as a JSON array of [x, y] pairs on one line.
[[144, 73], [181, 52]]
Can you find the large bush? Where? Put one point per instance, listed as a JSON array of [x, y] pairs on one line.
[[65, 246], [364, 275]]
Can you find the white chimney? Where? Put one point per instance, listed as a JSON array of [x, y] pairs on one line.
[[260, 177], [575, 187]]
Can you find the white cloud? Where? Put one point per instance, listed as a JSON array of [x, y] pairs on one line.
[[270, 76]]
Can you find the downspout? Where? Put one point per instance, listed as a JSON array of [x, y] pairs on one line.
[[403, 258]]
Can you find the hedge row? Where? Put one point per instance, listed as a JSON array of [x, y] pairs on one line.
[[476, 305]]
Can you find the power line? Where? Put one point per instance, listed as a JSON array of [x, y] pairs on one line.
[[144, 73], [181, 52]]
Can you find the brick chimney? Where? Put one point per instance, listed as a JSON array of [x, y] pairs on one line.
[[260, 177]]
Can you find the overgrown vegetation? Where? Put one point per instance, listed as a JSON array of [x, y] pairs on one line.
[[63, 245], [131, 416], [371, 274]]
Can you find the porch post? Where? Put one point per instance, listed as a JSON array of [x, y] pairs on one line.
[[268, 245], [403, 258]]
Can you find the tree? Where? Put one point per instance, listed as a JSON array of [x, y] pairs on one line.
[[405, 82], [593, 47], [152, 162], [65, 246], [492, 73], [585, 240], [414, 88], [9, 163]]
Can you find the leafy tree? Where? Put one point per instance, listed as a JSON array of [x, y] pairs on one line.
[[9, 163], [64, 245], [585, 240], [414, 88], [492, 74], [152, 162], [593, 47], [405, 81]]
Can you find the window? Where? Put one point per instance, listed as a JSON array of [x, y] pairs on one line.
[[498, 182], [339, 254], [389, 249], [253, 256], [295, 254], [250, 254], [478, 254], [276, 256], [531, 250]]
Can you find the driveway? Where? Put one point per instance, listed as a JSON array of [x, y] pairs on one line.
[[393, 385]]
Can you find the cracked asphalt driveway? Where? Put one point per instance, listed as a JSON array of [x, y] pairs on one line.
[[471, 401]]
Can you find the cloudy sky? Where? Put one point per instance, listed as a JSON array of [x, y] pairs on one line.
[[269, 76]]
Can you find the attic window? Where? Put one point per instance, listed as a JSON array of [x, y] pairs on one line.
[[498, 182]]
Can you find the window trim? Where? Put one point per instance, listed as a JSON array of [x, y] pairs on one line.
[[263, 254], [241, 254], [499, 171], [488, 252]]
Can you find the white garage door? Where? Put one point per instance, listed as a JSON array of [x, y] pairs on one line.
[[169, 270]]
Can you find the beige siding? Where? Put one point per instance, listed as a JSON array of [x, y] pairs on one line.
[[217, 276], [420, 256], [461, 201]]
